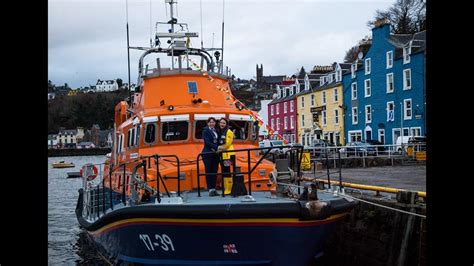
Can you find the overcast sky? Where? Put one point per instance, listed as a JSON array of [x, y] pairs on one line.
[[87, 38]]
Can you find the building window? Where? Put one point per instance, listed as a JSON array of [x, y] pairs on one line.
[[382, 136], [390, 111], [335, 95], [292, 122], [354, 91], [302, 101], [336, 116], [355, 135], [277, 108], [291, 106], [338, 75], [406, 53], [324, 97], [285, 122], [415, 131], [353, 70], [323, 113], [367, 66], [390, 83], [278, 123], [407, 109], [406, 132], [285, 107], [389, 59], [272, 109], [367, 86], [312, 99], [337, 136], [407, 79], [368, 114], [354, 115], [302, 120]]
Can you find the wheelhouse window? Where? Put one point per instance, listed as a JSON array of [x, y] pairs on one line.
[[150, 133], [175, 130], [198, 126], [240, 129], [137, 136]]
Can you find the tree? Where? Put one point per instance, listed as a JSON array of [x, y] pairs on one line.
[[51, 86], [363, 46], [406, 16], [119, 82]]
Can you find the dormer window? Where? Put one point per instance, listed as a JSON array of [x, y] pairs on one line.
[[284, 93], [406, 53], [367, 66], [330, 78], [353, 70], [338, 75]]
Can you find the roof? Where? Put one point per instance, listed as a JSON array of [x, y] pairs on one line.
[[68, 132], [273, 79], [328, 85], [51, 136], [401, 40], [85, 143]]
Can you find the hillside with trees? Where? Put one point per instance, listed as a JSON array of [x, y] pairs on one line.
[[83, 110]]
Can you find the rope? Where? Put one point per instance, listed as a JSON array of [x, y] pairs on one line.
[[365, 201], [382, 206]]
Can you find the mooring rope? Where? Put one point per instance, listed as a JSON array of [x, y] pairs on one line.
[[355, 198]]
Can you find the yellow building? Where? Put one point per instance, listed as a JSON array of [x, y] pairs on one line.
[[320, 112]]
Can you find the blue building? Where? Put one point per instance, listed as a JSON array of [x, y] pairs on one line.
[[384, 94]]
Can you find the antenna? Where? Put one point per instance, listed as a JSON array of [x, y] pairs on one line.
[[200, 6], [222, 56], [151, 42], [128, 56]]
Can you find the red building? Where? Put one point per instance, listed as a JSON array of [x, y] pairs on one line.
[[282, 114]]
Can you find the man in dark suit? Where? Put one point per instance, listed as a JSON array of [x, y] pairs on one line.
[[211, 161]]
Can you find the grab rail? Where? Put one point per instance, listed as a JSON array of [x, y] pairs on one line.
[[250, 169]]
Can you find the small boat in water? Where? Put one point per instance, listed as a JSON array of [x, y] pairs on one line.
[[73, 174], [145, 204], [63, 164]]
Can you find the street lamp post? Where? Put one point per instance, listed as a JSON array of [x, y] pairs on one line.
[[401, 122]]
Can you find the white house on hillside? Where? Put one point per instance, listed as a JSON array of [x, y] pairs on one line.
[[106, 85]]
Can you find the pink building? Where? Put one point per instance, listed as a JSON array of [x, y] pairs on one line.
[[282, 115]]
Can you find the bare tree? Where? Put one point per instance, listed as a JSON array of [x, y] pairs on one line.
[[363, 46], [406, 16]]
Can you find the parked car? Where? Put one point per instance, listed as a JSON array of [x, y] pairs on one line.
[[358, 148], [378, 144], [418, 143], [271, 143], [406, 140], [320, 146]]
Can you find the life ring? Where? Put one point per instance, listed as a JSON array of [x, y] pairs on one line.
[[90, 170]]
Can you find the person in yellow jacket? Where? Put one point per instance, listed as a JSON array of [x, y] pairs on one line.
[[226, 138]]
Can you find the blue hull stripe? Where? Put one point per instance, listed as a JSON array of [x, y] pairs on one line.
[[191, 262]]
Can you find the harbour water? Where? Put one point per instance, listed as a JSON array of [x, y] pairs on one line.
[[67, 244]]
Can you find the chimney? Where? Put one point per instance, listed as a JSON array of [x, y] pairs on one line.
[[381, 29]]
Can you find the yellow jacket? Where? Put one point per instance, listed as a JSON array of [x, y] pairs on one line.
[[229, 138]]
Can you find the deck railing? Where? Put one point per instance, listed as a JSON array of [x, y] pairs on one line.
[[298, 149]]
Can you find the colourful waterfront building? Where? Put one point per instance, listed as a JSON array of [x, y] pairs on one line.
[[320, 110], [384, 93], [282, 115]]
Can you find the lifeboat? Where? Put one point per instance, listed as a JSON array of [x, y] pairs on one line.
[[148, 203], [62, 164]]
